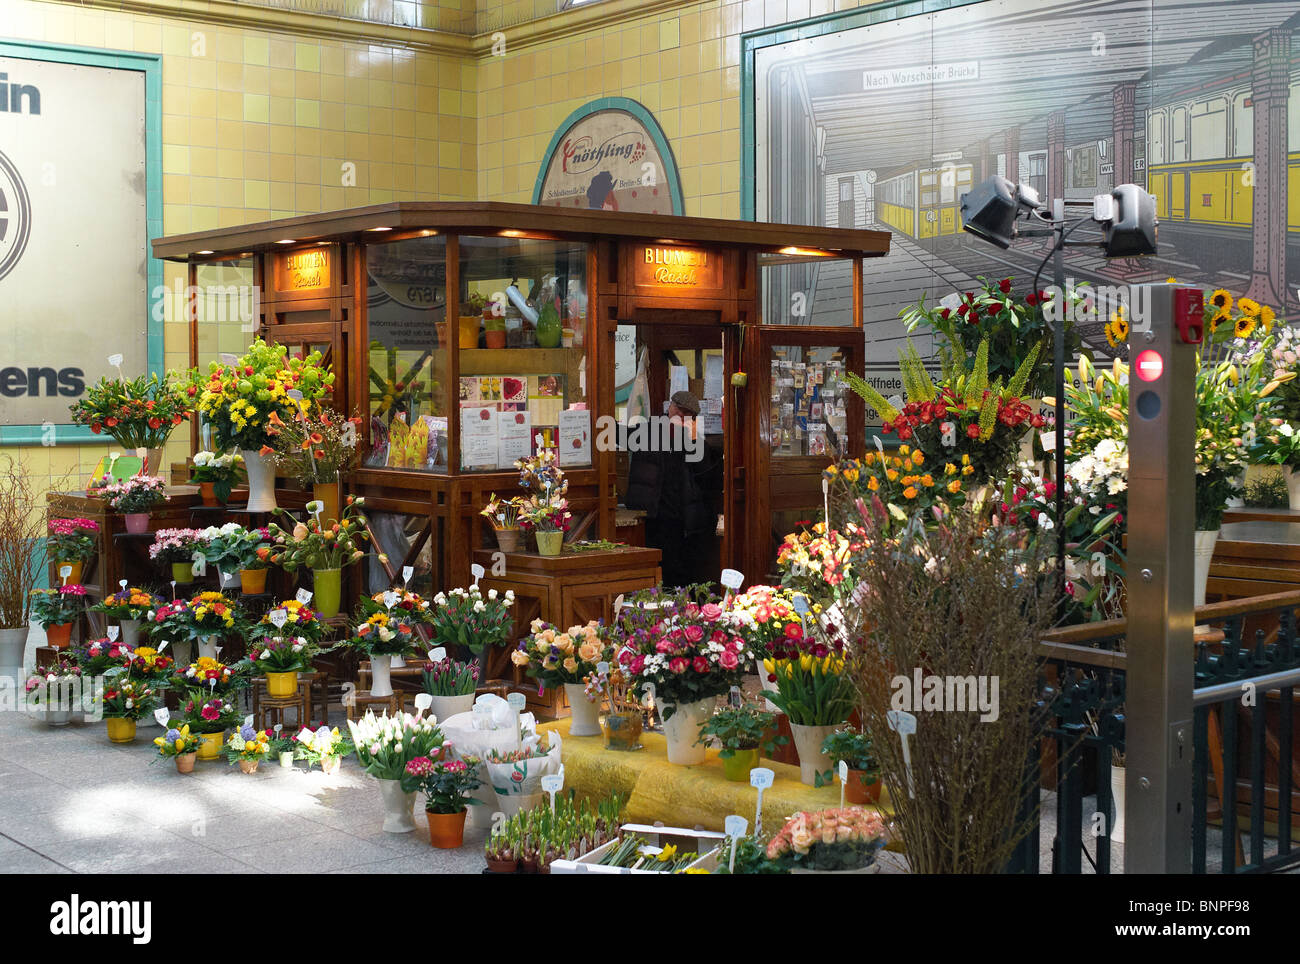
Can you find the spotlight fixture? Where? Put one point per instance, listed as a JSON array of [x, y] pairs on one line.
[[990, 209], [1132, 229]]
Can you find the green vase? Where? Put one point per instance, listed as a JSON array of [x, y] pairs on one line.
[[737, 766], [549, 329], [550, 543], [328, 589], [183, 572]]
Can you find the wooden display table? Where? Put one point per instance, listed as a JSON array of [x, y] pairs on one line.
[[570, 589], [1257, 557]]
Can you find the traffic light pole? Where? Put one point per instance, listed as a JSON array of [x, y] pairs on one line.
[[1161, 618]]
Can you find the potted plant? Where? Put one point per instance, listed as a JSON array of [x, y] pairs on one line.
[[452, 686], [180, 745], [243, 401], [316, 447], [283, 748], [151, 666], [205, 620], [545, 512], [854, 749], [57, 610], [504, 516], [494, 324], [176, 548], [21, 548], [764, 616], [103, 657], [622, 722], [401, 605], [140, 413], [502, 850], [124, 701], [222, 548], [323, 746], [472, 619], [216, 475], [829, 841], [742, 733], [471, 317], [325, 549], [384, 745], [208, 714], [54, 692], [299, 620], [556, 658], [446, 785], [381, 637], [134, 498], [813, 691], [72, 542], [252, 556], [687, 649], [129, 608], [280, 659], [247, 747]]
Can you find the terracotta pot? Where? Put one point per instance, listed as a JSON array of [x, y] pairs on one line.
[[136, 522], [503, 866], [59, 635], [495, 339], [210, 745], [446, 830], [282, 685], [120, 730], [858, 790], [249, 766], [74, 577], [508, 539], [327, 493], [208, 490], [252, 582], [185, 762]]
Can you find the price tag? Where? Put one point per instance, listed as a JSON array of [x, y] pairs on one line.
[[735, 828], [162, 715], [64, 573], [122, 583], [952, 301], [278, 617], [733, 579], [227, 578], [438, 654], [602, 668], [295, 394], [517, 701], [422, 702], [200, 567], [173, 590], [390, 599], [760, 778], [278, 727], [905, 725], [407, 573], [553, 783], [112, 633], [800, 603], [844, 780], [1047, 440], [618, 602], [478, 572], [163, 645], [115, 360], [248, 720], [303, 596]]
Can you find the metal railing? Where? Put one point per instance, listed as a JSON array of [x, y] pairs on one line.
[[1247, 665]]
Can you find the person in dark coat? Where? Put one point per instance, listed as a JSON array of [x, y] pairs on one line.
[[667, 487]]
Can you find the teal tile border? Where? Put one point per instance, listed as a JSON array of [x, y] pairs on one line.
[[647, 121], [752, 42], [151, 66]]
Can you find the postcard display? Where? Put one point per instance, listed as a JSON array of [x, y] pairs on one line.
[[809, 414]]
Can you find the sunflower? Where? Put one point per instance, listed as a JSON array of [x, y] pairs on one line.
[[1244, 326], [1121, 327], [1266, 317], [1110, 336], [1221, 300], [1248, 306]]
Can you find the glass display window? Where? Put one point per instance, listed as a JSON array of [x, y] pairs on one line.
[[809, 400]]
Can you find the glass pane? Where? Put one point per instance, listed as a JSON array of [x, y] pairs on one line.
[[809, 399], [522, 334], [406, 394], [813, 291]]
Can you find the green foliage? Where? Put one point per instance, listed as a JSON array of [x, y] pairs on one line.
[[741, 728], [1269, 491]]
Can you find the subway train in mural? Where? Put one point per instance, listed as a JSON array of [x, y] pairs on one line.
[[1196, 156]]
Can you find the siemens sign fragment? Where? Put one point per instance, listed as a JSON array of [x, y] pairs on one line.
[[920, 75]]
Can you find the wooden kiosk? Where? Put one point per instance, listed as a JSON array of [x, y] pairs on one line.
[[759, 319]]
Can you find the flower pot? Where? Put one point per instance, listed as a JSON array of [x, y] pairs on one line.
[[622, 731], [445, 707], [136, 522], [586, 715], [1292, 478], [153, 461], [249, 766], [185, 762], [286, 759], [503, 866], [120, 730], [327, 584], [182, 572], [208, 646], [682, 722], [261, 481], [252, 582], [469, 326], [508, 539], [737, 766], [1117, 803], [808, 741], [227, 580], [495, 339], [1203, 552], [862, 787], [446, 830], [182, 651], [330, 765], [208, 492], [74, 577], [282, 685], [399, 807], [130, 632], [59, 635], [327, 493], [397, 661], [54, 716], [13, 644], [381, 681], [210, 745], [769, 686], [550, 543]]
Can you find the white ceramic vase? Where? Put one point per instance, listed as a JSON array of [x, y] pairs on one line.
[[208, 647], [1292, 479], [261, 481], [13, 646], [770, 687], [445, 707], [182, 651], [381, 680], [399, 807], [586, 715], [682, 730], [1203, 552], [808, 741], [397, 661], [1117, 802], [130, 632]]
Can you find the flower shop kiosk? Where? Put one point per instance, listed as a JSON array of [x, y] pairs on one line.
[[466, 334]]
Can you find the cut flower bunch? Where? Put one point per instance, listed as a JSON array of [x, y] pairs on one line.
[[140, 413]]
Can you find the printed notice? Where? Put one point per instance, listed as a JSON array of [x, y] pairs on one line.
[[514, 438], [478, 437], [575, 437]]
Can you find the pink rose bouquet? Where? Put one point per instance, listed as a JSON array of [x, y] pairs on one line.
[[839, 839]]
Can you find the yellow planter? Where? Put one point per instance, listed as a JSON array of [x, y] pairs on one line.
[[210, 745], [469, 326], [120, 730], [281, 685]]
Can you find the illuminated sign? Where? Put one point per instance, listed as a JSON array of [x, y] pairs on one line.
[[305, 270], [1149, 365], [674, 269], [675, 266]]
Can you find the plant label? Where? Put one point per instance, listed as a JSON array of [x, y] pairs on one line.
[[618, 602], [478, 572], [162, 715], [278, 617], [228, 359], [173, 590], [1047, 440], [64, 573], [844, 781], [735, 826], [303, 596], [760, 778], [553, 783], [115, 360], [407, 573], [122, 583], [200, 566], [800, 603], [905, 725], [112, 633], [278, 727], [390, 599], [422, 702], [248, 720], [733, 579], [517, 701], [602, 667], [295, 394], [438, 654]]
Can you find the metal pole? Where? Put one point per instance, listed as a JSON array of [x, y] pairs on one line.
[[1161, 618], [1058, 365]]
